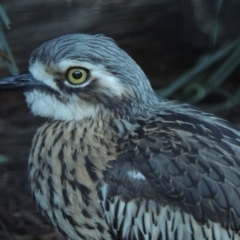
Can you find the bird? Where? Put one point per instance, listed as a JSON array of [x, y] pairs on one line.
[[115, 161]]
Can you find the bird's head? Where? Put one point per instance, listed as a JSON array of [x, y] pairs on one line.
[[77, 75]]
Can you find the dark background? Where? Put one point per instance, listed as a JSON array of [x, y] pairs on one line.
[[167, 38]]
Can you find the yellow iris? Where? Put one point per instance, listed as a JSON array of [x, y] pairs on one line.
[[77, 75]]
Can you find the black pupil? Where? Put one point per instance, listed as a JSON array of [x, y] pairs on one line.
[[77, 75]]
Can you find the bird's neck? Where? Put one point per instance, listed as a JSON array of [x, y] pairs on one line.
[[92, 131]]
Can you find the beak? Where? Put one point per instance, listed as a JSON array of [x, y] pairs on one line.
[[21, 82]]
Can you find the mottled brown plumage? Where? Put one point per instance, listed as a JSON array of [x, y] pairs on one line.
[[66, 187], [113, 161]]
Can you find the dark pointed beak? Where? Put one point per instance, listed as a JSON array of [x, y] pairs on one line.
[[21, 82]]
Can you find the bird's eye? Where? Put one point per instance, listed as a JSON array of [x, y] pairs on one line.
[[77, 75]]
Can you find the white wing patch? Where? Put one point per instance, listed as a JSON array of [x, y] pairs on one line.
[[136, 175]]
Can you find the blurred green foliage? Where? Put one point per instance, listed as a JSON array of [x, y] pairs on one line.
[[209, 73], [206, 78], [5, 52]]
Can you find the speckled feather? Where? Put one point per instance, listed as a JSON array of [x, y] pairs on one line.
[[114, 161], [187, 174], [65, 189], [187, 167]]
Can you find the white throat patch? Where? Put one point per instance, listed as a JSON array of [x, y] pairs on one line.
[[46, 105]]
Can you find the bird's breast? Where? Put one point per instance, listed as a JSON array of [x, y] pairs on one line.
[[65, 165]]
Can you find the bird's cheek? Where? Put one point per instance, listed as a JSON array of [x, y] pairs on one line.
[[40, 103]]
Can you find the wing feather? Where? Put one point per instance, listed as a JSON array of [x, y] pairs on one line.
[[193, 166]]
